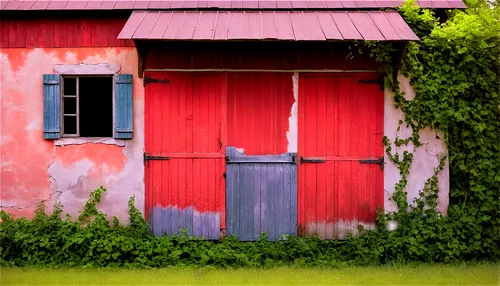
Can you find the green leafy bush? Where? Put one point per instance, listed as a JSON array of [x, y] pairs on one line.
[[48, 240], [455, 71]]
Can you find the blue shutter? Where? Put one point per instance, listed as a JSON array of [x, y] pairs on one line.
[[51, 106], [123, 106]]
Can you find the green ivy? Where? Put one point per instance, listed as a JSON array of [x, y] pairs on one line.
[[454, 69]]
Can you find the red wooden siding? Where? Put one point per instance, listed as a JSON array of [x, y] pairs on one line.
[[261, 55], [62, 31], [184, 122], [341, 122], [259, 105]]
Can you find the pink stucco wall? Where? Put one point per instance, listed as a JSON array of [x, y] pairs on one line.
[[34, 169], [425, 158]]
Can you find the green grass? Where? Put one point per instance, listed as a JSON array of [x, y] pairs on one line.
[[481, 274]]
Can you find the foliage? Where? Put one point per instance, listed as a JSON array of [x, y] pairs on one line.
[[454, 69], [48, 240]]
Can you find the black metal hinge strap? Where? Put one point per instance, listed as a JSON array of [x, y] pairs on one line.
[[374, 161], [148, 157], [147, 80], [368, 81], [379, 81], [311, 160]]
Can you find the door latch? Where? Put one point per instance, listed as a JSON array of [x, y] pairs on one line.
[[374, 161]]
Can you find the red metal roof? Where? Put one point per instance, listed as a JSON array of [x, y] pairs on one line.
[[219, 4], [262, 25]]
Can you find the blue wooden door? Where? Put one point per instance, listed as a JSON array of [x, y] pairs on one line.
[[261, 195]]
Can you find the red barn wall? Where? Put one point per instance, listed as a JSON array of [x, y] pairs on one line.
[[255, 55], [258, 107], [59, 30], [259, 100]]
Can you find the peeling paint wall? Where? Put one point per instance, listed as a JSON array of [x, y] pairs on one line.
[[339, 229], [201, 224], [34, 169], [292, 133], [425, 158]]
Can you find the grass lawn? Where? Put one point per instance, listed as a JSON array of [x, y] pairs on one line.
[[482, 274]]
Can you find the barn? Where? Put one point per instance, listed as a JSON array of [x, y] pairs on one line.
[[221, 117]]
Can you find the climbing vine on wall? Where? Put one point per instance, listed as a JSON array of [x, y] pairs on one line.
[[454, 70]]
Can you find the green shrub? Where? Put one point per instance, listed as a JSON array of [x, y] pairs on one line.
[[48, 240], [455, 71]]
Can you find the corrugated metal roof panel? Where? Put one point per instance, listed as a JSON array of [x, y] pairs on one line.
[[259, 25], [384, 26], [219, 4], [346, 26]]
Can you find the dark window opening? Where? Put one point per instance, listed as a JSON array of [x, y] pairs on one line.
[[96, 106], [88, 106]]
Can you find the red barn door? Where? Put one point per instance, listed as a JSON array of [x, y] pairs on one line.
[[340, 146], [184, 154]]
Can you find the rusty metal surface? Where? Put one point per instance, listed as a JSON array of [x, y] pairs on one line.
[[221, 4], [266, 25]]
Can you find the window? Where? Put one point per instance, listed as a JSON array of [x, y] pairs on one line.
[[87, 106]]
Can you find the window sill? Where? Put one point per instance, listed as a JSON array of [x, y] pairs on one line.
[[84, 140]]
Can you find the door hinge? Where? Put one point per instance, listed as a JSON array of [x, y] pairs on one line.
[[374, 161], [311, 160], [148, 158], [147, 80], [379, 81]]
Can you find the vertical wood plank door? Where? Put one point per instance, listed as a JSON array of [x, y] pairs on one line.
[[261, 195], [261, 180], [340, 150], [184, 152], [259, 105]]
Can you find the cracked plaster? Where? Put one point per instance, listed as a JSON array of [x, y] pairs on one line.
[[292, 133], [34, 169], [85, 140], [87, 69], [426, 158]]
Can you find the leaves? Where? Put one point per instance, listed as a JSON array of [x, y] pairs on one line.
[[454, 69]]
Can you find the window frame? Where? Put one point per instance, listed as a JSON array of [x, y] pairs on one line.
[[77, 96]]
